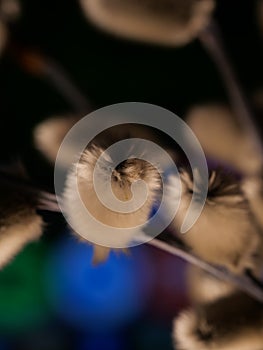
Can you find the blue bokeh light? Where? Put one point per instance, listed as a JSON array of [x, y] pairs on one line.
[[106, 296]]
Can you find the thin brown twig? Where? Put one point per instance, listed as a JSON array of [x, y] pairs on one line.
[[212, 42], [50, 202], [39, 64], [244, 283]]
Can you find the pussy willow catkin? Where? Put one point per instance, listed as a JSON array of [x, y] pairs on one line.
[[166, 22], [123, 177]]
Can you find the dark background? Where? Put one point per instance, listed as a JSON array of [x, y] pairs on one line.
[[34, 287]]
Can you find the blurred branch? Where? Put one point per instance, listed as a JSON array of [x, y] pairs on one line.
[[165, 242], [38, 64], [248, 284], [55, 73], [211, 40]]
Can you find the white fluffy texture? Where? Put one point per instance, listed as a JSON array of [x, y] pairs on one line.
[[186, 336], [120, 227], [224, 233], [204, 287], [132, 20], [184, 329], [14, 237], [222, 138], [49, 135]]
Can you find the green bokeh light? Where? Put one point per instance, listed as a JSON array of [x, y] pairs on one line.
[[22, 299]]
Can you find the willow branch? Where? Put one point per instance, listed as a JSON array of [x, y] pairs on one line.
[[40, 65], [211, 41], [244, 283], [58, 77]]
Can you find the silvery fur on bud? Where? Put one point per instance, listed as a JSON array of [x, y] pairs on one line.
[[123, 176], [231, 323], [165, 22], [19, 221], [226, 233]]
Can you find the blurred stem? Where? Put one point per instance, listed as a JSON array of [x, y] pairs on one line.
[[40, 65], [170, 245], [244, 283], [58, 77], [212, 42]]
